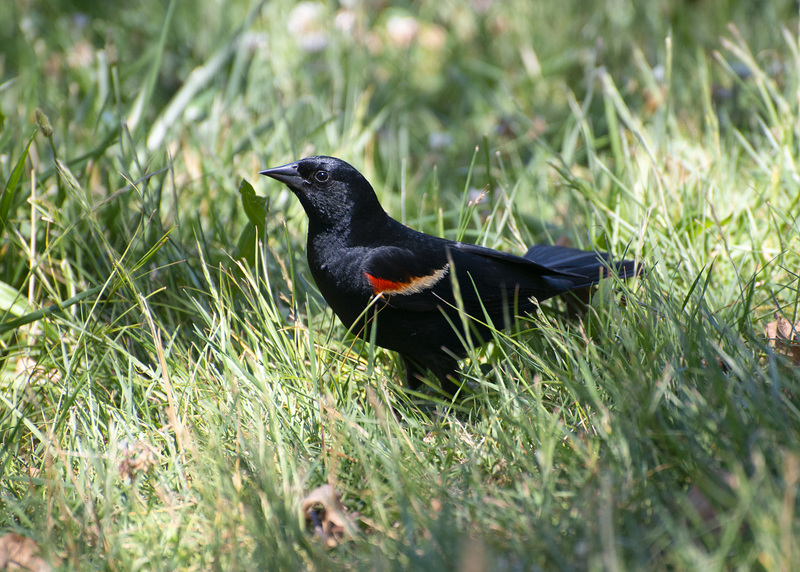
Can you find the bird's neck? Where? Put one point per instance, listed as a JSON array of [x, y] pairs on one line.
[[354, 229]]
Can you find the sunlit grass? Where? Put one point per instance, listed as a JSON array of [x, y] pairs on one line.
[[172, 385]]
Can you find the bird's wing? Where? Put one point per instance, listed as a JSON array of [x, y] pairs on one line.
[[531, 264], [407, 278], [588, 264], [488, 280]]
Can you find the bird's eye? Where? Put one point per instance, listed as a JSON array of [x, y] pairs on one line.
[[322, 176]]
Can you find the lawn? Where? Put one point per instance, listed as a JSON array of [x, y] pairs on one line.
[[175, 393]]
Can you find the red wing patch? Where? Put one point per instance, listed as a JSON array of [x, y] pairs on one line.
[[412, 285]]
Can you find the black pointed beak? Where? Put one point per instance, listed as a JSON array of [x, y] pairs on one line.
[[287, 174]]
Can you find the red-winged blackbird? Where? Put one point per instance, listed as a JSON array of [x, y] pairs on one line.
[[357, 252]]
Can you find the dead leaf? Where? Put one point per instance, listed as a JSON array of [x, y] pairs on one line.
[[700, 503], [783, 336], [29, 369], [474, 557], [19, 552], [136, 458], [708, 509], [331, 521]]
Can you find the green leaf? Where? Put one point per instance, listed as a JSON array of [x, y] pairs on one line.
[[7, 198], [255, 207], [8, 325], [12, 301], [246, 245]]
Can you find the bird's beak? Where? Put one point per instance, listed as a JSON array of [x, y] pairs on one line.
[[287, 174]]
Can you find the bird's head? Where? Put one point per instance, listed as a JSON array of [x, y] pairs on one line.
[[332, 192]]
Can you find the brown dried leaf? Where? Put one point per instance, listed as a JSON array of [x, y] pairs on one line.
[[28, 368], [19, 552], [707, 509], [700, 503], [331, 521], [474, 557], [136, 458], [783, 336]]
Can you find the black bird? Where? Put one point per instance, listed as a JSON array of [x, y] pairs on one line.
[[360, 256]]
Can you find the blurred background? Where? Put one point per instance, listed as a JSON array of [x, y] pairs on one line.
[[250, 84]]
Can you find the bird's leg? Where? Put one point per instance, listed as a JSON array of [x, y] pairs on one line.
[[414, 374], [577, 301], [449, 383], [445, 369]]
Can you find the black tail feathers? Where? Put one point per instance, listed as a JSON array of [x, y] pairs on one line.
[[586, 266]]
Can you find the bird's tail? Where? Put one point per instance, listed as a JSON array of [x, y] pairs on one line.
[[586, 266]]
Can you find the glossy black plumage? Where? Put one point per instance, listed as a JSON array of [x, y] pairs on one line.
[[357, 252]]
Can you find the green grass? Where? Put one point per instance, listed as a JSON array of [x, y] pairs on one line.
[[170, 389]]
